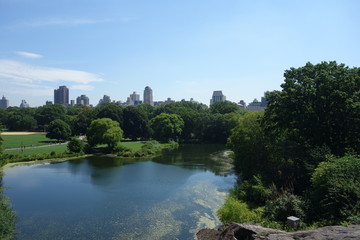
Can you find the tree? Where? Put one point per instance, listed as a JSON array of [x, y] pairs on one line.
[[135, 123], [76, 145], [223, 107], [58, 129], [110, 110], [82, 121], [1, 139], [318, 105], [104, 131], [17, 121], [167, 126], [46, 114]]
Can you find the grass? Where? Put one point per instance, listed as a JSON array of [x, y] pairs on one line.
[[134, 146], [32, 151], [16, 141]]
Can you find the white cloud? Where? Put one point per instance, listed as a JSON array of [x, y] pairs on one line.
[[28, 54], [22, 72]]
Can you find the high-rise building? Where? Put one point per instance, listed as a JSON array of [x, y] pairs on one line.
[[83, 100], [148, 96], [49, 103], [134, 99], [217, 97], [104, 100], [4, 103], [24, 104], [61, 95]]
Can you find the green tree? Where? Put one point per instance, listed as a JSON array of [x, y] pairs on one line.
[[76, 145], [1, 140], [82, 121], [167, 126], [17, 121], [104, 131], [135, 123], [223, 107], [318, 105], [46, 114], [58, 129], [110, 110]]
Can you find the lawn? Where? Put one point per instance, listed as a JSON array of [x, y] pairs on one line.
[[32, 151], [16, 141], [134, 146]]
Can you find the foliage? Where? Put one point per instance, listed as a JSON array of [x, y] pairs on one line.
[[135, 123], [236, 211], [82, 121], [283, 206], [318, 105], [46, 114], [254, 191], [224, 107], [58, 129], [110, 110], [76, 145], [7, 216], [167, 126], [20, 120], [250, 145], [1, 140], [335, 193], [104, 131]]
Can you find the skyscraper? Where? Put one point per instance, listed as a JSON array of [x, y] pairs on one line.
[[217, 97], [24, 104], [148, 96], [82, 100], [4, 103], [61, 95]]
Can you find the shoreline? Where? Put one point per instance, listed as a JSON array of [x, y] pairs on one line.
[[44, 161]]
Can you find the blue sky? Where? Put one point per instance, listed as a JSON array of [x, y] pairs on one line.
[[181, 49]]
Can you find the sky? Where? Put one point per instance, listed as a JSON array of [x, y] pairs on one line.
[[182, 49]]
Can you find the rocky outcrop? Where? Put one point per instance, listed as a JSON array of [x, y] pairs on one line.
[[235, 231]]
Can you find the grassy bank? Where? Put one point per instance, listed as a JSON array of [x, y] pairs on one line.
[[144, 149]]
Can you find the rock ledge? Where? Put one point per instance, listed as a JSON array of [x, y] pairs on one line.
[[235, 231]]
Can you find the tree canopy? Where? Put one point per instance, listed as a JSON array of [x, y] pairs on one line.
[[58, 129], [104, 131], [167, 126], [135, 123]]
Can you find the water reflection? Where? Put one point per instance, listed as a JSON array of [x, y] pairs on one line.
[[168, 197]]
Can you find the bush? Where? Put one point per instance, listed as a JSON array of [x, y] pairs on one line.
[[7, 217], [254, 191], [283, 206], [236, 211], [335, 193]]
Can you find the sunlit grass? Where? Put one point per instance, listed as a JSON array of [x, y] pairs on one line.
[[16, 141], [32, 151]]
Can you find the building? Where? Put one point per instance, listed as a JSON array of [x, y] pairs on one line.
[[133, 100], [242, 104], [104, 100], [217, 97], [148, 96], [61, 96], [4, 103], [24, 104], [256, 105], [49, 103], [83, 100]]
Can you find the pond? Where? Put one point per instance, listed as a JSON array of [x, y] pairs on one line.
[[168, 197]]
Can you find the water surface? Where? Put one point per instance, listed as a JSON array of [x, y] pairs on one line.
[[169, 197]]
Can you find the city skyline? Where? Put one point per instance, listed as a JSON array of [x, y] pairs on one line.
[[182, 49]]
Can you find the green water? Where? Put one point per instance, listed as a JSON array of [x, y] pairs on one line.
[[168, 197]]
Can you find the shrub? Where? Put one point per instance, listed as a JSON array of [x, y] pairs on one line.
[[335, 193], [254, 191], [236, 211], [283, 206]]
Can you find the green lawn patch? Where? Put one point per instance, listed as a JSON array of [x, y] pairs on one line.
[[40, 150], [16, 141], [134, 146]]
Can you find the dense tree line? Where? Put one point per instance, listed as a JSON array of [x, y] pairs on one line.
[[301, 157], [184, 121]]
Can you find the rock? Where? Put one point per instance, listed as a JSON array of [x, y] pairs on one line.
[[235, 231]]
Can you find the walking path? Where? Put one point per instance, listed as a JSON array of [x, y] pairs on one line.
[[41, 146]]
